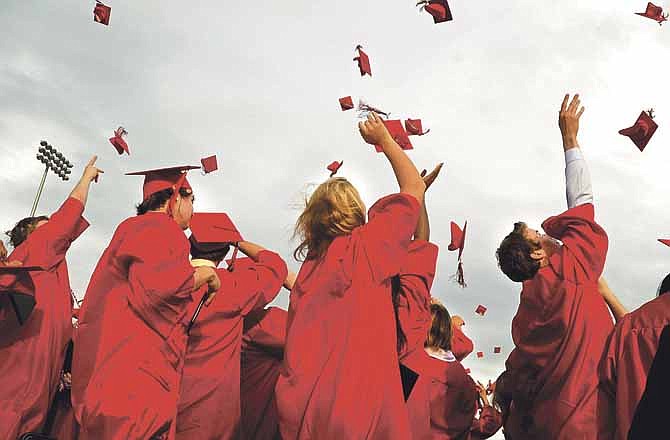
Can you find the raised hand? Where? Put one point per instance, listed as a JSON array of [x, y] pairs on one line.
[[91, 173], [568, 121], [429, 178], [373, 131], [3, 252]]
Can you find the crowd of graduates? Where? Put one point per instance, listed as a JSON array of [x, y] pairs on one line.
[[170, 344]]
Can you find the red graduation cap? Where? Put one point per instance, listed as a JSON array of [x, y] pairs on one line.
[[664, 241], [458, 242], [211, 231], [642, 131], [165, 178], [654, 12], [118, 141], [481, 310], [346, 103], [414, 128], [209, 164], [480, 354], [334, 167], [439, 9], [497, 350], [101, 13], [398, 134], [18, 285], [363, 61]]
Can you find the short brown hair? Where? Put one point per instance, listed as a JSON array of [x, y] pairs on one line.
[[439, 335], [513, 255], [23, 229]]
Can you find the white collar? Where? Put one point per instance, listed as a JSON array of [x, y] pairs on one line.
[[440, 354]]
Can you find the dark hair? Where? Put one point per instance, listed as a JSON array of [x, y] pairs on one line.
[[401, 339], [23, 229], [158, 199], [665, 285], [439, 335], [206, 252], [513, 255]]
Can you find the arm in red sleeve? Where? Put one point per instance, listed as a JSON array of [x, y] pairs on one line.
[[386, 236], [48, 244], [256, 284], [582, 238], [266, 328]]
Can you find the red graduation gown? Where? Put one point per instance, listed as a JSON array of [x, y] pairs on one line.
[[130, 342], [451, 398], [487, 424], [461, 345], [209, 400], [340, 376], [262, 353], [626, 363], [559, 333], [31, 355], [416, 279]]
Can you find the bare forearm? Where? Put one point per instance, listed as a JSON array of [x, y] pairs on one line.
[[290, 280], [406, 174], [422, 231], [615, 306], [250, 249], [80, 191]]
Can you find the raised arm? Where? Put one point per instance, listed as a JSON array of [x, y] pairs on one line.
[[422, 231], [80, 191], [618, 309], [374, 132], [577, 178]]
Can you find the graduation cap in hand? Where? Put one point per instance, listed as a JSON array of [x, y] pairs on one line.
[[458, 243], [398, 134], [346, 103], [101, 13], [18, 285], [118, 141], [209, 164], [439, 9], [665, 241], [654, 12], [334, 167], [643, 129], [414, 128], [481, 310], [363, 61]]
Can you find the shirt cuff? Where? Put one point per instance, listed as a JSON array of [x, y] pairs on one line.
[[573, 154]]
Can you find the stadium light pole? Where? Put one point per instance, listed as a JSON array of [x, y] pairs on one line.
[[55, 161]]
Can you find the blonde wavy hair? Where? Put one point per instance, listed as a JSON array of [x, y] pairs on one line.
[[335, 208]]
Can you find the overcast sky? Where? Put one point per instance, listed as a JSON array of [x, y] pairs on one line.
[[257, 83]]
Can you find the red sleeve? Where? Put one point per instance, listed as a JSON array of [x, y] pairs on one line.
[[582, 238], [461, 345], [387, 234], [155, 257], [488, 423], [607, 386], [266, 328], [48, 244], [418, 270], [254, 285]]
